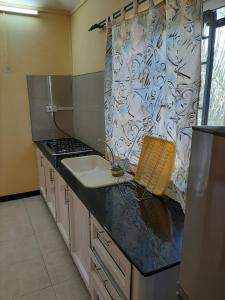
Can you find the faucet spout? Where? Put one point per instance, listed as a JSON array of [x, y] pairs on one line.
[[110, 149], [116, 170]]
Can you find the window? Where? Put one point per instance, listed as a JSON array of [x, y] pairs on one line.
[[212, 97]]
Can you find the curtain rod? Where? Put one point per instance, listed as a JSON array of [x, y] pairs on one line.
[[117, 14]]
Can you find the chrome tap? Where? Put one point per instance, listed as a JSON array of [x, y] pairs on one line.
[[116, 169], [111, 152]]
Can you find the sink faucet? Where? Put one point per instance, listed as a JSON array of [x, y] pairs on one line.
[[111, 152], [116, 169]]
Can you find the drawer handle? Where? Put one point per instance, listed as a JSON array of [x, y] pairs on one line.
[[51, 172], [66, 196], [105, 282], [98, 269], [100, 236]]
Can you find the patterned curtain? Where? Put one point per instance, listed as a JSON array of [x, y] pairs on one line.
[[152, 82]]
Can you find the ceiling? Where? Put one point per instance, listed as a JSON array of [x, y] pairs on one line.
[[45, 4]]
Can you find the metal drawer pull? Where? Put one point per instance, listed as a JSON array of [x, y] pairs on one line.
[[66, 196], [51, 172], [100, 290], [100, 236], [99, 269], [105, 282]]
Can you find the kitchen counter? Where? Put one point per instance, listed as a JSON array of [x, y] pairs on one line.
[[148, 230]]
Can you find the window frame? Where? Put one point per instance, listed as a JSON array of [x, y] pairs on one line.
[[210, 18]]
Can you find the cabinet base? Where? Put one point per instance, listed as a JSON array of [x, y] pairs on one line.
[[19, 196]]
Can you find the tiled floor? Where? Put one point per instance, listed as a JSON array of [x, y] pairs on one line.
[[34, 261]]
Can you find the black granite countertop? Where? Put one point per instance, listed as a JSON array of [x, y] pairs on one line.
[[147, 229]]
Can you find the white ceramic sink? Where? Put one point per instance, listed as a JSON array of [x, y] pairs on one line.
[[93, 171]]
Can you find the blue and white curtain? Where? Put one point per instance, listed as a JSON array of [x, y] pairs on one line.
[[152, 81]]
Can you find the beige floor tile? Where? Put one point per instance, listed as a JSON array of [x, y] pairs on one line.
[[41, 220], [50, 241], [34, 203], [6, 204], [15, 229], [23, 278], [73, 289], [46, 294], [18, 250], [7, 287], [12, 211], [60, 266], [14, 221]]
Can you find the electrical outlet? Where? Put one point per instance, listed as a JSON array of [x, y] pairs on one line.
[[51, 109]]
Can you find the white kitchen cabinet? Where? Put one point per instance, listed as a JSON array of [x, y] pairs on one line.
[[108, 262], [50, 175], [80, 236], [104, 269], [41, 163], [46, 174], [62, 208]]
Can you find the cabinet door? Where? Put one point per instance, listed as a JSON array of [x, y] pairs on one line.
[[41, 163], [51, 188], [80, 236], [62, 208]]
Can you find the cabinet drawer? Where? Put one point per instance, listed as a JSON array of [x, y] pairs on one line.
[[101, 278], [98, 291], [113, 259]]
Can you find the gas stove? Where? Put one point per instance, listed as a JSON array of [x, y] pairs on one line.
[[66, 146]]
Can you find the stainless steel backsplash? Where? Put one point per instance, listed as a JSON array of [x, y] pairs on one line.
[[84, 92], [88, 97]]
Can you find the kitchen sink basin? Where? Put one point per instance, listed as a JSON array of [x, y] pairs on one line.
[[93, 171]]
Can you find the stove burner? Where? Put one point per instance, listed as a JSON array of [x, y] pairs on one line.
[[66, 146]]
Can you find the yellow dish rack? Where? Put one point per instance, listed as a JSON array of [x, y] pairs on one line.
[[156, 164]]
